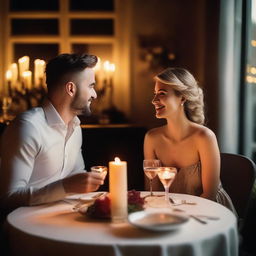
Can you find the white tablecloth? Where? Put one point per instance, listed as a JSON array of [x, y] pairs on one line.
[[54, 229]]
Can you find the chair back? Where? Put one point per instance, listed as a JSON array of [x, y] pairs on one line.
[[237, 175]]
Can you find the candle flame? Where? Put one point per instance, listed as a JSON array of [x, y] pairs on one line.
[[117, 160]]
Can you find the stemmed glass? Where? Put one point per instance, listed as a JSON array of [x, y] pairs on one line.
[[150, 167], [166, 176]]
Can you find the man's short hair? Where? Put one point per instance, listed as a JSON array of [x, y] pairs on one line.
[[58, 67]]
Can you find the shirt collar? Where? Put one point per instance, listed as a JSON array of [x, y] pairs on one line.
[[54, 119]]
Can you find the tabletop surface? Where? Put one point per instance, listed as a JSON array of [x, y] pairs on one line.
[[59, 222]]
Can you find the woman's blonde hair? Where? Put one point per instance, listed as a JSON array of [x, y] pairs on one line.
[[185, 85]]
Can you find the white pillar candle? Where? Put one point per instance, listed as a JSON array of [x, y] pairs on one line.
[[23, 64], [14, 69], [118, 190], [27, 79], [8, 77], [39, 66]]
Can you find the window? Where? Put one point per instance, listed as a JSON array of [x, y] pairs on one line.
[[44, 28]]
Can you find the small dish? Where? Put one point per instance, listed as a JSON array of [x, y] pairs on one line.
[[157, 221]]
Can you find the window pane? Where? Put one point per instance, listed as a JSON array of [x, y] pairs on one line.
[[95, 5], [35, 27], [35, 51], [34, 5], [92, 27], [104, 51]]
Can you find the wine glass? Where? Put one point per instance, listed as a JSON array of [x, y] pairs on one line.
[[150, 167], [166, 176]]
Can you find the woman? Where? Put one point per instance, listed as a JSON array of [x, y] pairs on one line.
[[184, 142]]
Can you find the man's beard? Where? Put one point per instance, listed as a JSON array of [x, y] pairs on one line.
[[80, 107]]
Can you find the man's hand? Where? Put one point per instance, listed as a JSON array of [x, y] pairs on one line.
[[83, 182]]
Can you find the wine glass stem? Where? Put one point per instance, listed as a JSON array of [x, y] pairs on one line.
[[150, 184], [166, 188]]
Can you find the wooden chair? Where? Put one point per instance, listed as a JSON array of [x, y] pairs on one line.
[[238, 176]]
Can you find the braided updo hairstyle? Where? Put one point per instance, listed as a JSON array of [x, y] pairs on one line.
[[185, 85]]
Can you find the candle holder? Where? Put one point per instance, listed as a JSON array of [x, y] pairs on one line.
[[23, 91], [105, 110]]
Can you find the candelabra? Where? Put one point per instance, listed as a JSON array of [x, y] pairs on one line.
[[21, 92], [104, 108]]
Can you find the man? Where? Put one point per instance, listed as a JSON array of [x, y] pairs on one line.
[[41, 158]]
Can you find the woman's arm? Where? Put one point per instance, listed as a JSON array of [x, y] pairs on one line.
[[149, 152], [210, 163]]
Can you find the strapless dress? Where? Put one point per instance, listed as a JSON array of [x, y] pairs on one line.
[[188, 181]]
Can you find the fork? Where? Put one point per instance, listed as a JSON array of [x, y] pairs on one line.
[[181, 202], [198, 217]]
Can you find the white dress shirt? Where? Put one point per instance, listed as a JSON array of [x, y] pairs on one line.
[[38, 150]]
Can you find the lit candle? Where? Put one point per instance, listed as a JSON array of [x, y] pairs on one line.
[[23, 64], [8, 76], [39, 66], [14, 70], [27, 79], [112, 69], [109, 69], [118, 189], [106, 68]]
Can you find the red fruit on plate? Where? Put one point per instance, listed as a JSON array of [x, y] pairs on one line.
[[100, 208]]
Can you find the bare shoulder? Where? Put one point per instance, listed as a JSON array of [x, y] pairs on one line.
[[155, 132], [203, 134]]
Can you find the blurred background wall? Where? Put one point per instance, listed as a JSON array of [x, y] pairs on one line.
[[215, 40]]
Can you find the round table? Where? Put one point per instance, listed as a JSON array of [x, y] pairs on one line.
[[56, 229]]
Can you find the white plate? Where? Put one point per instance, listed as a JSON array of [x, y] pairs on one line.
[[157, 221]]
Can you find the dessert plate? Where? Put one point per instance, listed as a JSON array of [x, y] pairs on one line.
[[157, 221]]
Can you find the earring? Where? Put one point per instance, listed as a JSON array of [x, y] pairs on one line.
[[182, 103]]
